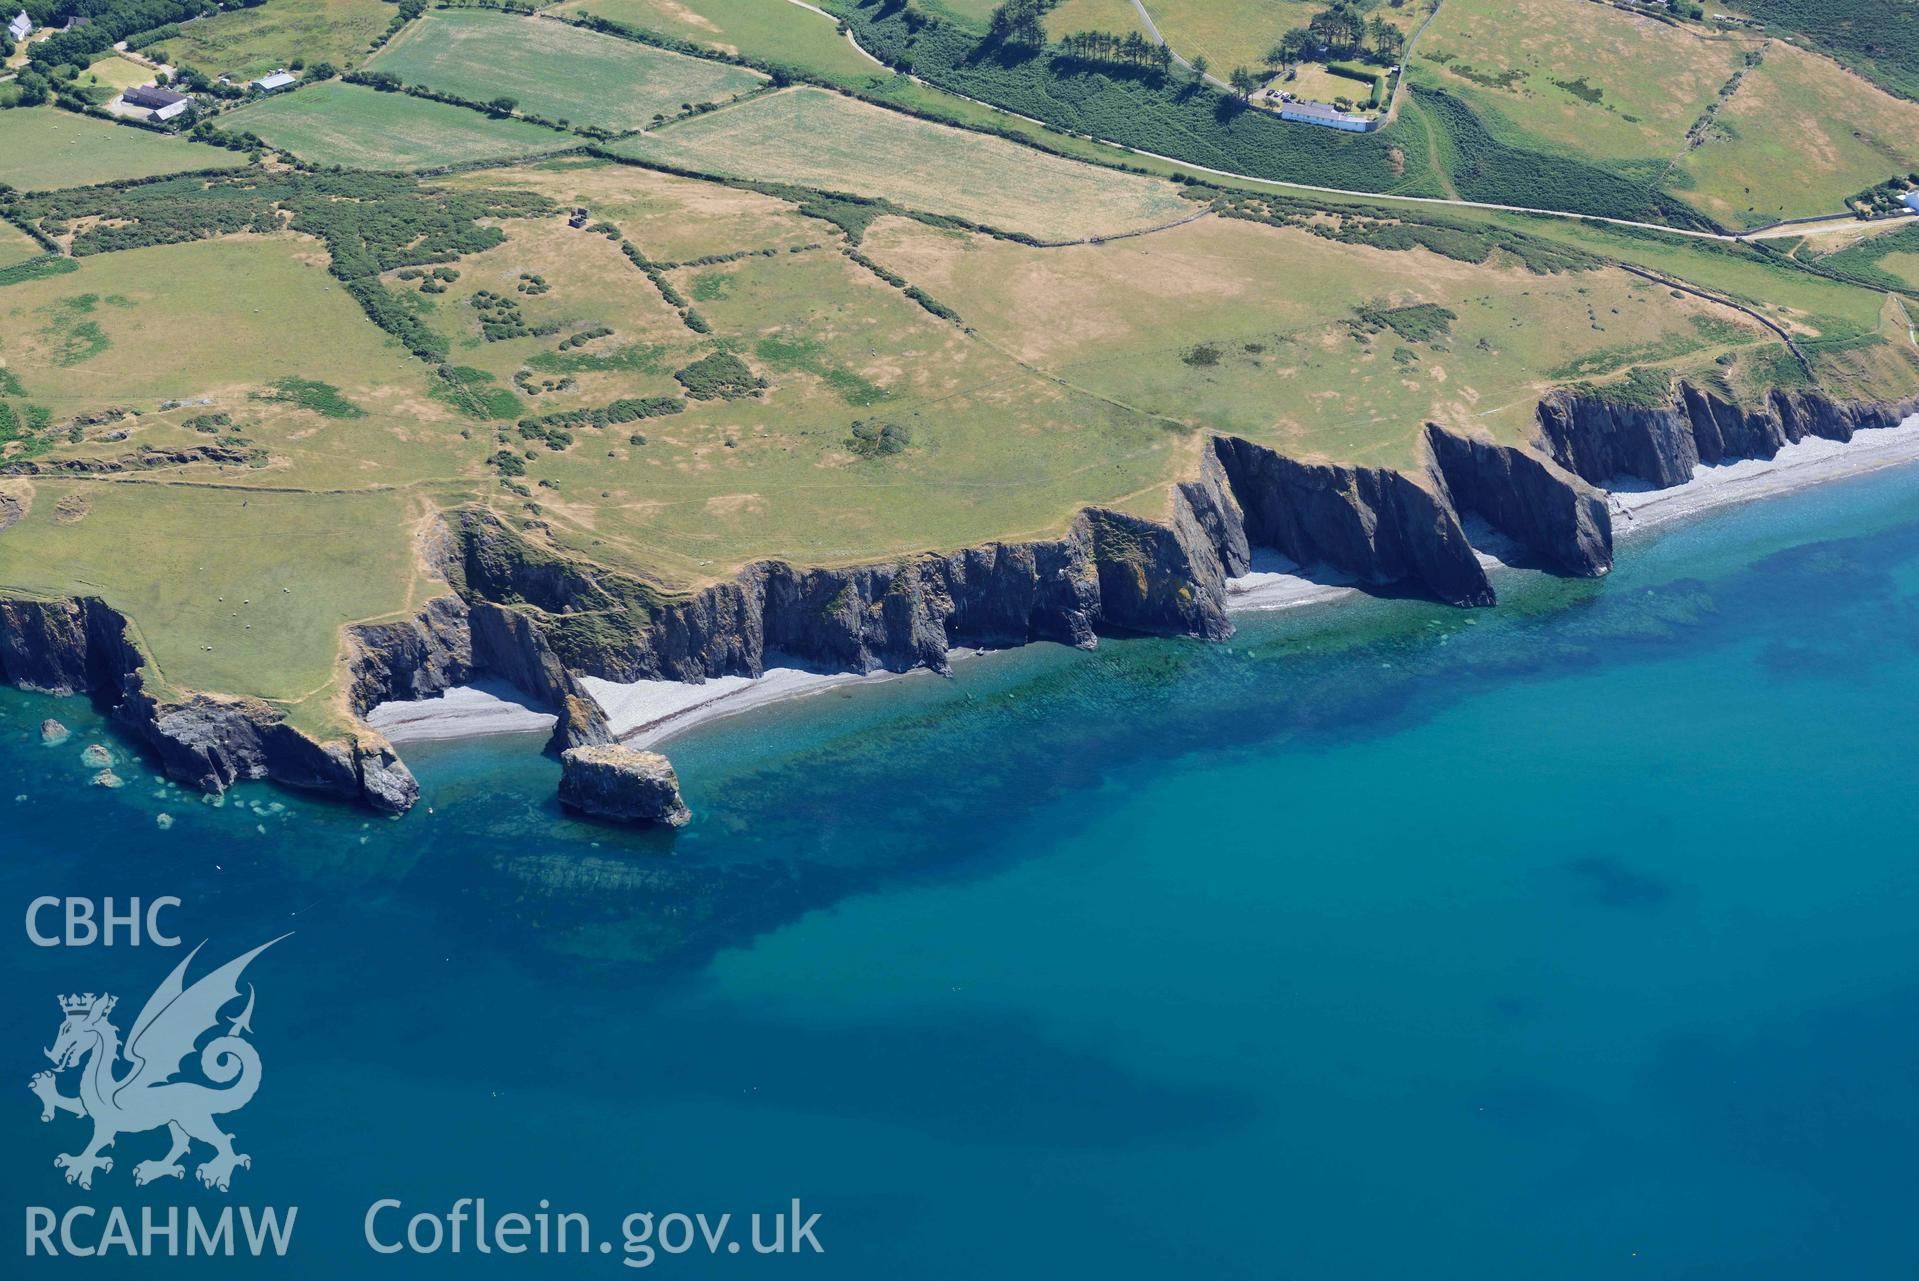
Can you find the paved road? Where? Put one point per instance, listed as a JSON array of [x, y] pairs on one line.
[[1839, 220]]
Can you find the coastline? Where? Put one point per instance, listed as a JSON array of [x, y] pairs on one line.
[[1812, 461], [649, 713]]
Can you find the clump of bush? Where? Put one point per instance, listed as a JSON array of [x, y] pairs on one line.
[[871, 438], [719, 376]]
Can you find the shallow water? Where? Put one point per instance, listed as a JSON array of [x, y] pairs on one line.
[[1570, 939]]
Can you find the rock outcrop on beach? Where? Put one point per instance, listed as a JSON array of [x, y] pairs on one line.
[[1378, 525], [521, 611], [1560, 521], [621, 784]]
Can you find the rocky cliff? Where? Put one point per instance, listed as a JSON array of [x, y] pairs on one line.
[[1379, 525], [207, 741], [1561, 521], [527, 613], [1606, 442]]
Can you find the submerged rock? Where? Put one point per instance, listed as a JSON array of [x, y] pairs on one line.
[[615, 782], [106, 778], [53, 733]]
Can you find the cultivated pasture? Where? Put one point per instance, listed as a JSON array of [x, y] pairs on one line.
[[16, 246], [554, 70], [362, 128], [1800, 136], [816, 138], [44, 148], [248, 41], [1747, 128], [1609, 86], [765, 30]]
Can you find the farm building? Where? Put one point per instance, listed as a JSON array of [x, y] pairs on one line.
[[20, 25], [1911, 201], [163, 104], [1320, 113], [269, 84]]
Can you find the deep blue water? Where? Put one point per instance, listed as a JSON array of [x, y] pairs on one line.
[[1570, 939]]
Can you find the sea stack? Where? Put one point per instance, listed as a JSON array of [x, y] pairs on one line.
[[619, 783]]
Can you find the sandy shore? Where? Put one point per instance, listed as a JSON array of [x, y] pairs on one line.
[[646, 713], [642, 713], [1276, 582], [1810, 462], [484, 707]]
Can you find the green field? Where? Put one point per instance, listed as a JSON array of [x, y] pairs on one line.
[[361, 128], [16, 246], [1263, 333], [230, 591], [821, 139], [248, 42], [44, 148], [1116, 16], [1232, 33], [115, 72], [1801, 136], [765, 30], [82, 340], [554, 70], [1744, 128], [1579, 77]]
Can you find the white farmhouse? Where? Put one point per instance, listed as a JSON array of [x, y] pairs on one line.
[[18, 28]]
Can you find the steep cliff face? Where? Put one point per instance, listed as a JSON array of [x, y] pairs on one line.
[[84, 646], [1382, 526], [1606, 442], [1561, 521], [540, 619], [425, 655]]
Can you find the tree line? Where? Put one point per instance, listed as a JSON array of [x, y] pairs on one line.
[[1129, 50], [1344, 30]]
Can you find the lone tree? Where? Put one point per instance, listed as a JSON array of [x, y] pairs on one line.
[[1199, 66], [1244, 82]]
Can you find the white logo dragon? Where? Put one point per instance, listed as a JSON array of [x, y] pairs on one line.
[[173, 1020]]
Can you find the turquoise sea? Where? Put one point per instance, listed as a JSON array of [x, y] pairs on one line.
[[1576, 938]]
